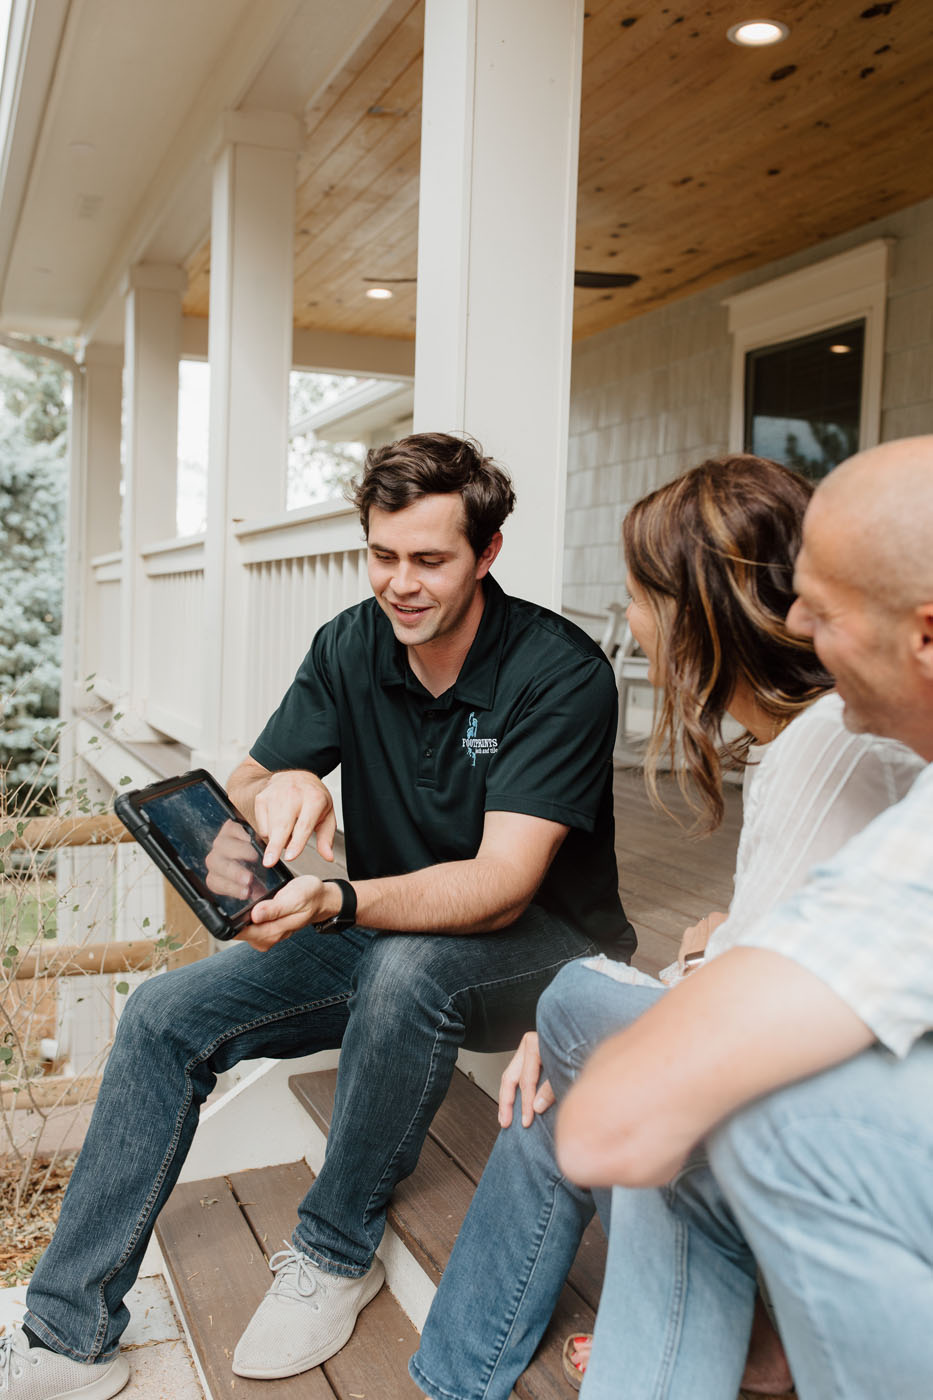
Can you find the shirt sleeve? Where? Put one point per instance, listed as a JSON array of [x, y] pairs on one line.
[[304, 731], [863, 923], [553, 760], [819, 785]]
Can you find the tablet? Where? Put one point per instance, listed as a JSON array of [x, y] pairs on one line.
[[204, 847]]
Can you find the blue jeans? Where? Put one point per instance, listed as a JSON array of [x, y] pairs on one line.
[[524, 1224], [831, 1181], [401, 1005], [827, 1186], [676, 1309]]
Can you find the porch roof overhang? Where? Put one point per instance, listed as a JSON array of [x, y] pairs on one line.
[[698, 160]]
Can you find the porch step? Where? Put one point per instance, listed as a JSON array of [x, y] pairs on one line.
[[428, 1208], [216, 1236]]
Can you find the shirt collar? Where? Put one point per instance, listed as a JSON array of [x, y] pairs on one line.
[[476, 683]]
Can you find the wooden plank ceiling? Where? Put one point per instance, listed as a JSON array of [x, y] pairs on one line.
[[698, 159]]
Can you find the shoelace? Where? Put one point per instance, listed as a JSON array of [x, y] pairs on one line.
[[8, 1356], [294, 1270]]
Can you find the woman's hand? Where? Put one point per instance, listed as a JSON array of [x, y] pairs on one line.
[[523, 1072], [696, 937]]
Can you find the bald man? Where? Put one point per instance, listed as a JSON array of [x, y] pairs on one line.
[[801, 1061]]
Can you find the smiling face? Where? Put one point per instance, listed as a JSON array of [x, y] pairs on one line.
[[863, 645], [424, 574], [864, 580]]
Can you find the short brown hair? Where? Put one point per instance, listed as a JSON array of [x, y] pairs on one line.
[[714, 551], [436, 464]]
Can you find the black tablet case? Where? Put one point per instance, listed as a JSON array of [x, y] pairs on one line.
[[179, 859]]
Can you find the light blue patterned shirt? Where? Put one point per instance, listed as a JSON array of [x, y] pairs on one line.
[[863, 921]]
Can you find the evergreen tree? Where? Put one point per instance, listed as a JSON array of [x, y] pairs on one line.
[[318, 471], [36, 392], [32, 510]]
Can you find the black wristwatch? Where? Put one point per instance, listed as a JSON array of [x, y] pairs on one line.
[[346, 915]]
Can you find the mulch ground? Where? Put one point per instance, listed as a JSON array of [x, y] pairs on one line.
[[24, 1233]]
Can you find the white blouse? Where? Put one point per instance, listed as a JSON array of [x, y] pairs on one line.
[[805, 794]]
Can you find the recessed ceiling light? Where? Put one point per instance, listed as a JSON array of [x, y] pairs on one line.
[[757, 33], [840, 349], [378, 293]]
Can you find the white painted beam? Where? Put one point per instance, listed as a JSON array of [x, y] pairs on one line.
[[250, 351], [33, 42], [326, 352], [152, 346], [497, 215]]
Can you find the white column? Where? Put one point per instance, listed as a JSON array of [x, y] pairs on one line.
[[250, 353], [152, 349], [100, 500], [84, 874], [497, 214]]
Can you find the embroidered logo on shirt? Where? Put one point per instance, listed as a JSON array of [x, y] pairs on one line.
[[475, 745]]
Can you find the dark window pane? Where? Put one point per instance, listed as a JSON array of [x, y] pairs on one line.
[[803, 399]]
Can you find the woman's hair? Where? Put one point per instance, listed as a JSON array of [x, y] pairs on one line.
[[714, 552]]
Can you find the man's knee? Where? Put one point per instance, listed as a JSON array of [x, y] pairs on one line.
[[560, 1004], [797, 1142], [398, 974], [832, 1132], [156, 1011], [583, 1006]]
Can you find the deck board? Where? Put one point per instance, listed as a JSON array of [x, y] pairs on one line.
[[668, 879], [219, 1274], [375, 1360], [216, 1236]]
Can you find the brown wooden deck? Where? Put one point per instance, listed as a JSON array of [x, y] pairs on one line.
[[667, 879]]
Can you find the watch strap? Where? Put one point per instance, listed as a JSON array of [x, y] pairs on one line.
[[346, 915]]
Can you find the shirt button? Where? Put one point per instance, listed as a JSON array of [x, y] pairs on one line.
[[430, 714], [429, 753]]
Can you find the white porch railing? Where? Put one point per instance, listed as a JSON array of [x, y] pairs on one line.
[[300, 569], [103, 623], [174, 607]]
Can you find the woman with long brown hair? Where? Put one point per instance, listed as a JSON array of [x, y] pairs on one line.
[[710, 561]]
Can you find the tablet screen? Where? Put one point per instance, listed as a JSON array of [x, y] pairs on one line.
[[218, 852]]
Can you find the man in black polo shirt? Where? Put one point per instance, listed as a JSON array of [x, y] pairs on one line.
[[474, 733]]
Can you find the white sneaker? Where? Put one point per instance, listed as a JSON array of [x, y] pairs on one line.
[[306, 1316], [32, 1373]]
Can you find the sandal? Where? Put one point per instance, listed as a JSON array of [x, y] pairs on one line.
[[572, 1372]]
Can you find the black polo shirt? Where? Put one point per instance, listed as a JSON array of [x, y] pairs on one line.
[[528, 726]]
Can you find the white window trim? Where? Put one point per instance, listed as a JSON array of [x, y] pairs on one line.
[[849, 287]]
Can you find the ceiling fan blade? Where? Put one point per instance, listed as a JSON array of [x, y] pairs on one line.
[[604, 279]]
